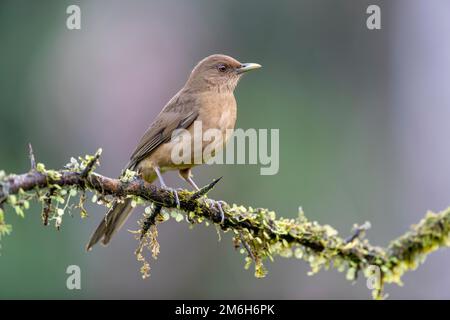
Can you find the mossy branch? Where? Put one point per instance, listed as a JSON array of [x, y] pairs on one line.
[[257, 231]]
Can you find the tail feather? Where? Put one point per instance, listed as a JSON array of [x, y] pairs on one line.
[[112, 222]]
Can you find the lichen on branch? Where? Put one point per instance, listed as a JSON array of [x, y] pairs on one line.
[[257, 232]]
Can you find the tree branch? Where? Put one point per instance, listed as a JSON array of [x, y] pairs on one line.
[[256, 231]]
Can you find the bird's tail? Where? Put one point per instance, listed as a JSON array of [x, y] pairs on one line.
[[112, 222]]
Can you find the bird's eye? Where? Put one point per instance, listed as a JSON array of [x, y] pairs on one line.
[[222, 67]]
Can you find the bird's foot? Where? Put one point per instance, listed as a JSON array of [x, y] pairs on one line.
[[217, 204], [174, 193]]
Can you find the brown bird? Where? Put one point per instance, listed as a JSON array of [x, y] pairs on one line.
[[208, 97]]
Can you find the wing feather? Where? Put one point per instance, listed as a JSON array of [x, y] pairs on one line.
[[178, 114]]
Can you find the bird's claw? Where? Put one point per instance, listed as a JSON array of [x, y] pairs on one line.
[[175, 195], [218, 204]]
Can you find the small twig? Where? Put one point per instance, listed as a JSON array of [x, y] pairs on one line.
[[203, 191], [247, 247], [358, 231], [150, 220], [90, 165], [32, 158], [3, 194], [47, 206]]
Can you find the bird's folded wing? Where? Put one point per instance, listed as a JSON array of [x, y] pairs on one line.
[[161, 132]]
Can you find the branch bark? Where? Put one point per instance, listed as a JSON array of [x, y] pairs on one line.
[[257, 230]]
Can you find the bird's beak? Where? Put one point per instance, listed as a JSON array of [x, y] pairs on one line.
[[247, 67]]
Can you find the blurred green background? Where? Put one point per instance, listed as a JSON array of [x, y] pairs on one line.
[[363, 118]]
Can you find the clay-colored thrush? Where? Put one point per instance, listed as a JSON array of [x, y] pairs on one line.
[[208, 97]]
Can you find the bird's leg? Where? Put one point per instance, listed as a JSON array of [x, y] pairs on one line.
[[192, 183], [187, 176], [164, 186]]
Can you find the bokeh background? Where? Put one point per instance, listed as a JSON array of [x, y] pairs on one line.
[[363, 118]]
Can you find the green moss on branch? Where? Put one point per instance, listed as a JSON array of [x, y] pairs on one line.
[[258, 232]]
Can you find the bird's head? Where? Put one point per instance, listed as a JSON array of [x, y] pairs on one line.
[[218, 72]]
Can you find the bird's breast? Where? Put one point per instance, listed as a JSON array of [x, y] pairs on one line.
[[218, 117], [218, 111]]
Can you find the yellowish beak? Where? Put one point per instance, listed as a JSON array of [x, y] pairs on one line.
[[247, 67]]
